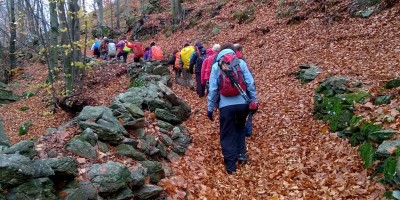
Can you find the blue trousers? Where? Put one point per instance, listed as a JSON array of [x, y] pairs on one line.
[[249, 125], [232, 134]]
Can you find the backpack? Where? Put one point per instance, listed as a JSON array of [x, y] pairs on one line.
[[97, 44], [138, 50], [126, 48], [207, 66], [156, 53], [112, 49], [177, 59], [199, 63], [226, 86], [185, 56]]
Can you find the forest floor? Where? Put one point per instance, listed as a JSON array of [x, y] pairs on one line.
[[292, 155]]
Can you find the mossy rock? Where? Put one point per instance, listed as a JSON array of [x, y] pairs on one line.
[[357, 97], [392, 83]]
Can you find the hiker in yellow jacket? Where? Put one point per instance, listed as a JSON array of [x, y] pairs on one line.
[[186, 52]]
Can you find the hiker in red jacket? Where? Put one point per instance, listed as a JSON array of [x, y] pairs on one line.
[[206, 67], [138, 50]]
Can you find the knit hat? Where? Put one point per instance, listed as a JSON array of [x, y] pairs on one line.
[[216, 47], [198, 44], [203, 51], [186, 44]]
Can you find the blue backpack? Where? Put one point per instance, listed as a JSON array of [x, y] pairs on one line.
[[97, 44]]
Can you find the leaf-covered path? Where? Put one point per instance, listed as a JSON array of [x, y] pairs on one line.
[[292, 155]]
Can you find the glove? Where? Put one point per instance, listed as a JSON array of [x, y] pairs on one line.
[[253, 106], [210, 115]]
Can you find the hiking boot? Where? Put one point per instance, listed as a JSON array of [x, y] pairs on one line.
[[242, 158]]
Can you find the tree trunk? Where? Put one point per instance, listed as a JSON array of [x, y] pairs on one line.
[[13, 35], [117, 15], [66, 53], [176, 11], [100, 15], [53, 50], [4, 72], [76, 51]]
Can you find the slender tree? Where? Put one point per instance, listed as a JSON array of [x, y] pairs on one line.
[[13, 35], [100, 15], [176, 11], [53, 49], [117, 15]]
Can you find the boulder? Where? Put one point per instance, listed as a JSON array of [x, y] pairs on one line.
[[333, 85], [4, 141], [41, 169], [176, 133], [161, 70], [307, 73], [6, 94], [109, 177], [166, 140], [379, 136], [140, 133], [105, 133], [15, 169], [162, 148], [167, 116], [73, 194], [165, 125], [81, 148], [181, 143], [89, 190], [172, 156], [387, 148], [383, 99], [64, 167], [102, 146], [88, 135], [123, 194], [138, 177], [40, 188], [24, 148], [128, 150], [393, 83], [148, 192], [154, 170]]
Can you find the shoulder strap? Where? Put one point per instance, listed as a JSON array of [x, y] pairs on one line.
[[235, 83]]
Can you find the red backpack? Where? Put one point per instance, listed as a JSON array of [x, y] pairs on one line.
[[234, 72], [156, 53]]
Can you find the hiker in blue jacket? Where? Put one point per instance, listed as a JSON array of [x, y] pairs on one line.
[[233, 111]]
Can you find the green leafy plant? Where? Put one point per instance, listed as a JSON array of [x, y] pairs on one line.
[[246, 15], [24, 108], [22, 130], [367, 152], [137, 83], [28, 94], [389, 168]]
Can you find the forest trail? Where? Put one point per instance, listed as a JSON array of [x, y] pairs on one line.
[[292, 155]]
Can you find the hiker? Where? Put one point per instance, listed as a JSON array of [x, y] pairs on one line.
[[103, 48], [121, 52], [199, 62], [174, 61], [232, 104], [146, 56], [155, 52], [195, 55], [111, 49], [138, 51], [95, 48], [184, 64], [249, 122], [206, 67]]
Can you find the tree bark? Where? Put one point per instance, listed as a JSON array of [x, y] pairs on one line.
[[4, 72], [176, 11], [53, 50], [100, 16], [13, 35], [117, 15]]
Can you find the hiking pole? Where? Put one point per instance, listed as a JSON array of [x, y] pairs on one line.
[[236, 84]]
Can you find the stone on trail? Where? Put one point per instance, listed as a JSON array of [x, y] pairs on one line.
[[138, 177], [4, 141], [41, 169], [73, 194], [387, 148], [15, 169], [89, 190], [88, 135], [24, 148], [81, 148], [40, 188], [167, 116], [128, 150], [154, 170], [148, 192], [64, 167]]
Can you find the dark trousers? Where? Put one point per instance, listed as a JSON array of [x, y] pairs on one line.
[[123, 54], [232, 134], [199, 87], [96, 53], [136, 59]]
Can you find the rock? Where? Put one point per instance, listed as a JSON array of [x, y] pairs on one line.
[[33, 189], [148, 192], [134, 110], [165, 125], [181, 112], [6, 94], [172, 156], [24, 148], [109, 177], [130, 141], [64, 167], [3, 148], [307, 73], [73, 194], [15, 169], [387, 148], [128, 150], [81, 148], [167, 116], [167, 140], [176, 133], [138, 177], [383, 99], [89, 190], [151, 140], [52, 153], [154, 170], [135, 123], [41, 169], [163, 149], [153, 104], [4, 141], [104, 133], [161, 70], [124, 194], [102, 121], [50, 131], [102, 146], [181, 143], [140, 133], [88, 135], [379, 136], [333, 85], [394, 83]]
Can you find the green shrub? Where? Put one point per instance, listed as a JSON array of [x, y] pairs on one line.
[[137, 83], [367, 152], [24, 108], [246, 15], [22, 130]]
